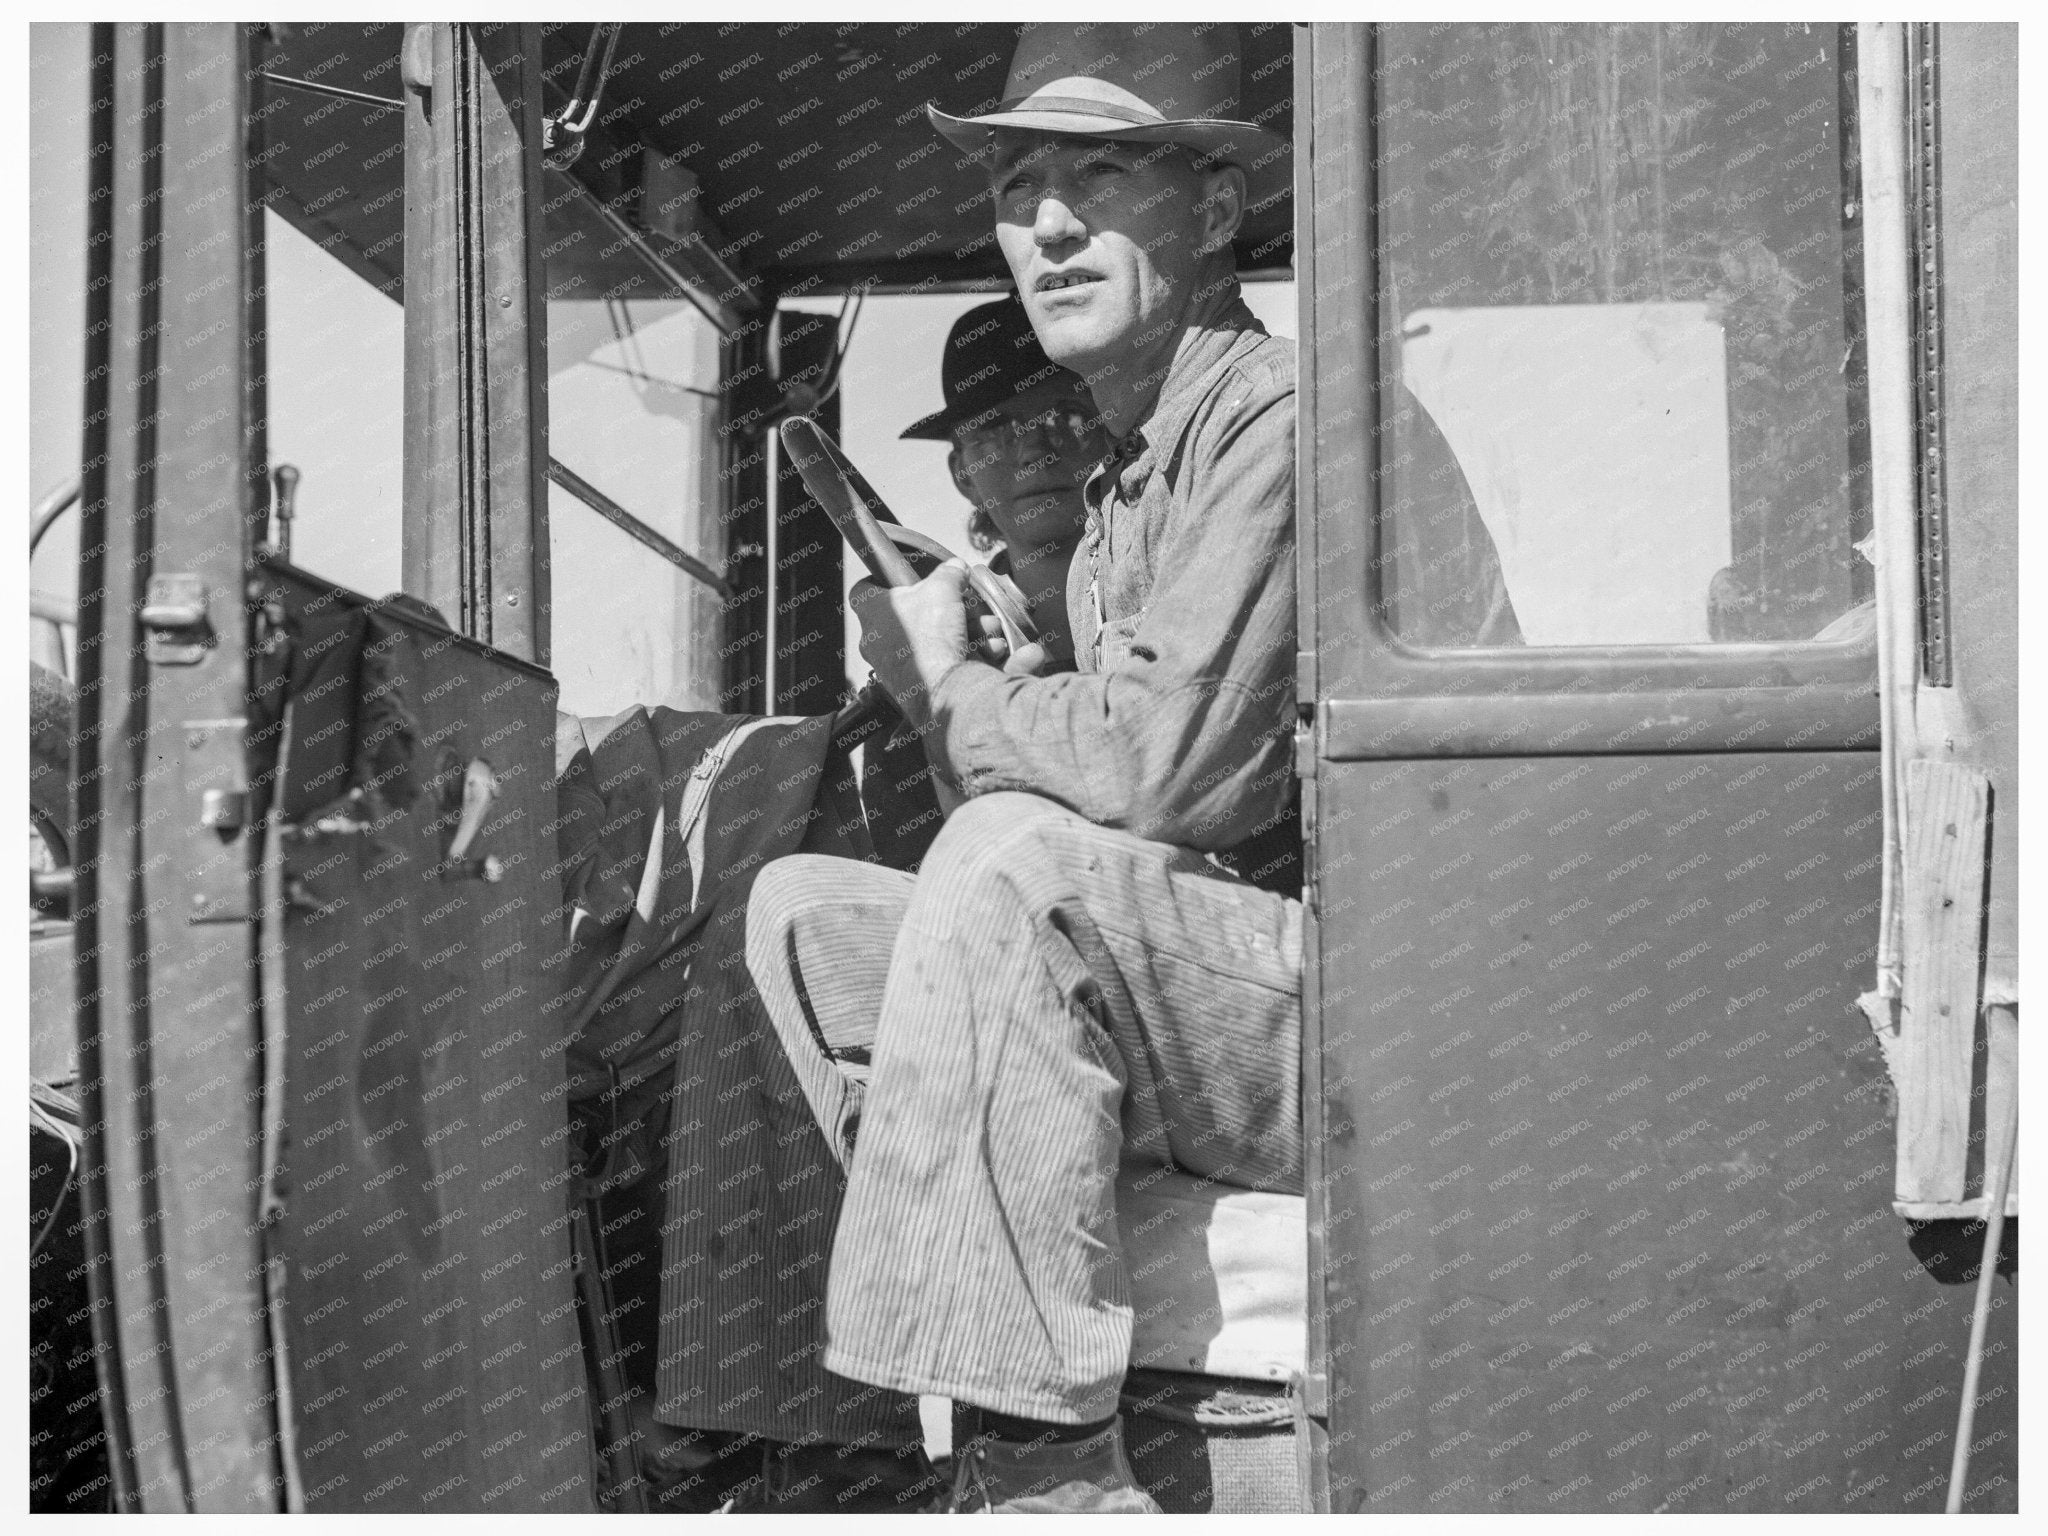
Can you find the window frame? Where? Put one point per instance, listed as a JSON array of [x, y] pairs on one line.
[[474, 513], [1379, 696]]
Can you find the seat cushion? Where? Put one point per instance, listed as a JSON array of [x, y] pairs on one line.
[[1219, 1276]]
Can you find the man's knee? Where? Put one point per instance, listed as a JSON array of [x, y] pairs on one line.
[[784, 899], [809, 902], [779, 892], [991, 834]]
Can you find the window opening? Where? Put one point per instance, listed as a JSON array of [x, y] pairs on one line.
[[335, 363], [330, 141], [1620, 399], [637, 548]]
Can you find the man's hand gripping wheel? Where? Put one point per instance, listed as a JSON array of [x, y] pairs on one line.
[[879, 538], [887, 548]]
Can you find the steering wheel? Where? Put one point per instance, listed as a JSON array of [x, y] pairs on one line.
[[882, 542]]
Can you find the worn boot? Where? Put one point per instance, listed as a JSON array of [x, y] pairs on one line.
[[1049, 1477], [826, 1479], [694, 1471]]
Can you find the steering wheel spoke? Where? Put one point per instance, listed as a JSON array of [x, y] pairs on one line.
[[897, 556]]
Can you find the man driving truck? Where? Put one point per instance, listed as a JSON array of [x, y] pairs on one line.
[[1085, 968]]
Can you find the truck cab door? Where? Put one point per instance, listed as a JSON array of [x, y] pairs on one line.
[[170, 1059], [325, 1175], [1600, 1159]]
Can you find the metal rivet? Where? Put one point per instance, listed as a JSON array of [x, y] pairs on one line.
[[200, 901], [195, 739], [504, 301], [512, 600]]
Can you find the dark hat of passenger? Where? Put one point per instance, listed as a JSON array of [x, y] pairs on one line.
[[1168, 82], [992, 356]]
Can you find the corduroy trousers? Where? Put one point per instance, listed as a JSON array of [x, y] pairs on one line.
[[1047, 998]]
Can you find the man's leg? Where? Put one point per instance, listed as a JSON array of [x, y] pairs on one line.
[[1058, 991], [819, 935], [753, 1196], [745, 1251]]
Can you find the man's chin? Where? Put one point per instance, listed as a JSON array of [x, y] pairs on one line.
[[1075, 341]]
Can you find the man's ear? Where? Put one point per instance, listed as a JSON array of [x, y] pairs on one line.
[[1222, 206], [956, 462]]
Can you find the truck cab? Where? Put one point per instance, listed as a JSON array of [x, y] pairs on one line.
[[1659, 1042]]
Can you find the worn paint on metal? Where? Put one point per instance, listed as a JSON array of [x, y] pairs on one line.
[[1608, 1214], [429, 1300]]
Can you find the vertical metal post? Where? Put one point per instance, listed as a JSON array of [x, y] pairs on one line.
[[746, 682], [808, 667], [1316, 1383], [475, 496], [169, 1049], [1336, 112]]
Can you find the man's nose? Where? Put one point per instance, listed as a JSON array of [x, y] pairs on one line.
[[1056, 222]]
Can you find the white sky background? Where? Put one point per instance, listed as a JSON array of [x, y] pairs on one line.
[[56, 286], [1594, 438]]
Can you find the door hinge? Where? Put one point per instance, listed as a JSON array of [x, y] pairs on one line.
[[174, 612], [1305, 714], [218, 880], [1307, 741], [1305, 745], [224, 810]]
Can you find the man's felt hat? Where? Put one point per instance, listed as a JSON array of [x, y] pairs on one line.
[[992, 355], [1168, 82]]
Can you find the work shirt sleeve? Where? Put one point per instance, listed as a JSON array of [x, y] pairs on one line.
[[1184, 734]]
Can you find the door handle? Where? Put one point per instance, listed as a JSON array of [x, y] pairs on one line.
[[479, 789]]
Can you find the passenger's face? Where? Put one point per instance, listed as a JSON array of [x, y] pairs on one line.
[[1104, 240], [1025, 467]]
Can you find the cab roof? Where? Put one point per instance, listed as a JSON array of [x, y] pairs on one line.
[[816, 166]]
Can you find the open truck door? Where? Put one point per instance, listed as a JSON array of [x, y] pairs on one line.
[[298, 811]]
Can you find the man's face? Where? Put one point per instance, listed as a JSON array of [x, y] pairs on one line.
[[1026, 465], [1103, 238]]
